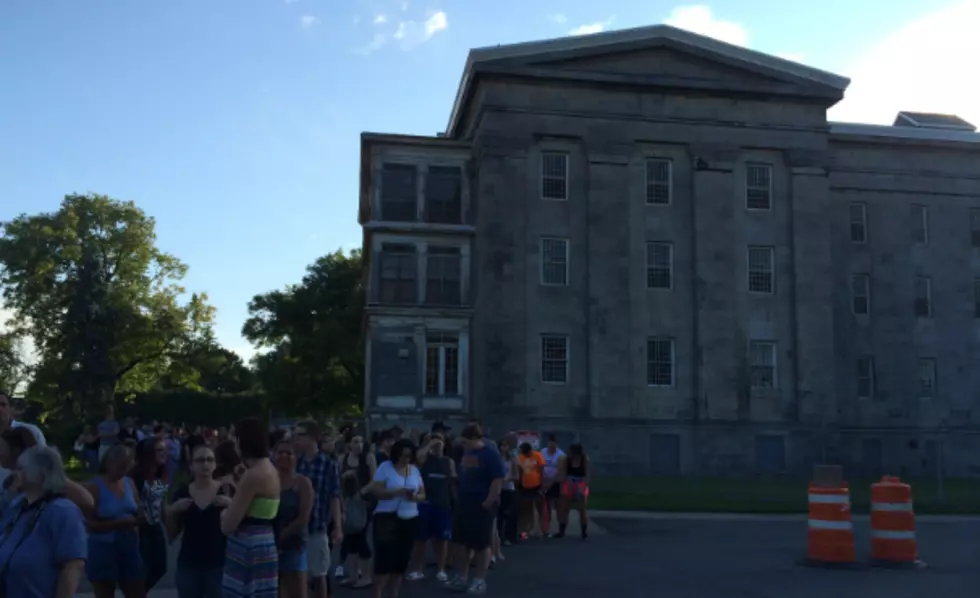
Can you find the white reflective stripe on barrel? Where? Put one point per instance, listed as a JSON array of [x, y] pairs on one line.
[[896, 507], [834, 525], [831, 499], [890, 535]]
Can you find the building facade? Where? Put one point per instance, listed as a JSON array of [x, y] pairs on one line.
[[656, 243]]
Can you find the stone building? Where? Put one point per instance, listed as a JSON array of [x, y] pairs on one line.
[[655, 242]]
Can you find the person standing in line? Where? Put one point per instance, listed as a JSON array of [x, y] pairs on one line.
[[323, 475], [530, 497], [8, 422], [386, 439], [196, 513], [550, 485], [150, 477], [575, 475], [507, 515], [435, 512], [295, 505], [358, 461], [481, 479]]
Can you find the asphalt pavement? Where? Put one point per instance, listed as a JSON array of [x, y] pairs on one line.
[[715, 556]]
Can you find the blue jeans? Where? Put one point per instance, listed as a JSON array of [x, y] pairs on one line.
[[198, 582]]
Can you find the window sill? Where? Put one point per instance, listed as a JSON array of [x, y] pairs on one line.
[[419, 227]]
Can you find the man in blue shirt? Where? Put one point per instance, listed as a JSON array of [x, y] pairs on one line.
[[481, 478], [322, 471]]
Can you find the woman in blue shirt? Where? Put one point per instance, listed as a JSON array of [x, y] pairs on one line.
[[42, 546]]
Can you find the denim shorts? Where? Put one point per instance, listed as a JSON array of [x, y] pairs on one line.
[[435, 523], [292, 560], [114, 557]]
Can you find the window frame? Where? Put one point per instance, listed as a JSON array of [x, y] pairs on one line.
[[862, 221], [672, 346], [650, 161], [381, 195], [443, 253], [865, 281], [651, 267], [749, 166], [427, 203], [921, 214], [545, 176], [771, 252], [442, 346], [399, 251], [860, 376], [544, 262], [771, 345], [975, 227], [930, 363], [542, 359], [927, 298]]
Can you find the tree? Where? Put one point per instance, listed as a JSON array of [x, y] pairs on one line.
[[210, 368], [13, 368], [101, 301], [314, 361]]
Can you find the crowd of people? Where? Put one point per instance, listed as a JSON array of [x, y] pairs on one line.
[[259, 513]]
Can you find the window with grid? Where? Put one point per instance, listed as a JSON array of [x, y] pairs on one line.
[[761, 269], [927, 378], [659, 181], [398, 272], [758, 186], [865, 377], [923, 297], [441, 365], [762, 364], [554, 176], [861, 294], [554, 262], [660, 362], [859, 223], [976, 297], [660, 265], [399, 192], [554, 359], [975, 227], [444, 195], [442, 276], [920, 224]]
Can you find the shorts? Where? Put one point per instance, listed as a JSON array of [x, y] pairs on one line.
[[575, 489], [473, 525], [435, 523], [318, 555], [116, 560], [293, 560], [530, 492], [553, 492]]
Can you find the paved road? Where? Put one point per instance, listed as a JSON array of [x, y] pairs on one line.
[[719, 558]]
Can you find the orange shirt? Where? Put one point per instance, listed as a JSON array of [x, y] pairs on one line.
[[531, 469]]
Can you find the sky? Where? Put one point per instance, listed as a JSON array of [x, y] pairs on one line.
[[235, 123]]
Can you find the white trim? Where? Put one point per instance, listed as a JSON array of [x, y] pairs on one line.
[[568, 358], [828, 499], [891, 535], [568, 256], [839, 526], [893, 507]]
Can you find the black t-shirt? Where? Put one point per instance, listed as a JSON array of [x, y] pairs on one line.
[[203, 544], [125, 435]]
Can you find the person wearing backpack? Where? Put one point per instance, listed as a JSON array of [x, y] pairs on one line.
[[356, 511]]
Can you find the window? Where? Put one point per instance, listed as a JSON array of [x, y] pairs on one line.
[[762, 364], [975, 227], [660, 362], [920, 224], [923, 297], [860, 294], [760, 269], [865, 378], [758, 187], [398, 270], [859, 223], [554, 262], [927, 378], [441, 365], [554, 176], [660, 265], [399, 192], [444, 195], [554, 359], [442, 276], [976, 297], [659, 182]]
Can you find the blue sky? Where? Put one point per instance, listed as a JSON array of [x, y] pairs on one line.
[[235, 123]]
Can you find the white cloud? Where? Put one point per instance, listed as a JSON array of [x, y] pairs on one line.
[[413, 33], [588, 29], [926, 65], [377, 42], [699, 19], [558, 18], [308, 21], [380, 19]]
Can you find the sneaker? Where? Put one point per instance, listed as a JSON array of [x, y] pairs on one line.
[[457, 583], [415, 575], [338, 572], [441, 576], [493, 562], [477, 587]]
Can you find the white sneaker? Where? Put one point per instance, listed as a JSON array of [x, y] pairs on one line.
[[477, 587], [415, 575], [338, 572], [441, 576]]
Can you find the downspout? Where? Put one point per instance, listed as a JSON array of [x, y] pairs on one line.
[[696, 287], [588, 279], [795, 328]]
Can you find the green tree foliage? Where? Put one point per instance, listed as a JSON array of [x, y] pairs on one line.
[[102, 303], [314, 361], [13, 368], [210, 368]]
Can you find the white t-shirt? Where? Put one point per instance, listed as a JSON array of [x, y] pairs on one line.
[[389, 476], [551, 463]]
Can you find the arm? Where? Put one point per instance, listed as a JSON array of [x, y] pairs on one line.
[[70, 548], [80, 495], [562, 471], [173, 521], [496, 468], [68, 578], [420, 492], [306, 501], [379, 486], [588, 471], [332, 490], [232, 517]]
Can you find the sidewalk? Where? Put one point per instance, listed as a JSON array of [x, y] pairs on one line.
[[680, 516]]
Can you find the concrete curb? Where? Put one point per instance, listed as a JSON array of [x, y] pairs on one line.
[[654, 516]]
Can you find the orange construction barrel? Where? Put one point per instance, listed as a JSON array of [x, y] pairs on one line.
[[893, 542], [830, 533]]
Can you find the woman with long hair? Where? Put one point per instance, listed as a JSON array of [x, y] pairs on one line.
[[150, 476], [228, 463], [251, 557], [295, 505], [196, 513], [399, 488], [575, 476], [113, 537], [358, 461]]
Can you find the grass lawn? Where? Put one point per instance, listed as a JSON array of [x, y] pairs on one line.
[[764, 495]]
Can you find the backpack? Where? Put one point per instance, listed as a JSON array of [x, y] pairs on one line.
[[355, 515]]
